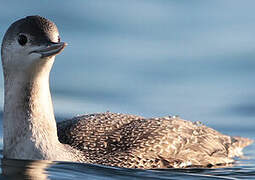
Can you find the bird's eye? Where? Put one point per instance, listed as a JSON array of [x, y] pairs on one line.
[[22, 39], [58, 38]]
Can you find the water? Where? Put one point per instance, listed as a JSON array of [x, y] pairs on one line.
[[151, 58]]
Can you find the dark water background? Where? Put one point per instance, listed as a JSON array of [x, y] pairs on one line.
[[193, 58]]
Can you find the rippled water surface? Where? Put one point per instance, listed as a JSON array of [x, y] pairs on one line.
[[152, 58]]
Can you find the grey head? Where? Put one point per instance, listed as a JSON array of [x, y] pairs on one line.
[[28, 41]]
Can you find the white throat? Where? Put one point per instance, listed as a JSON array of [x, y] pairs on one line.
[[29, 121]]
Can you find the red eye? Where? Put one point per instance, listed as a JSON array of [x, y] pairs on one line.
[[58, 38]]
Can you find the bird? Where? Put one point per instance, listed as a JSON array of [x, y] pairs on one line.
[[30, 131]]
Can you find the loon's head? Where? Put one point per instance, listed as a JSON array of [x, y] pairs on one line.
[[30, 44]]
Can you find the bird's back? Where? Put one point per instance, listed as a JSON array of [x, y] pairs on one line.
[[136, 142]]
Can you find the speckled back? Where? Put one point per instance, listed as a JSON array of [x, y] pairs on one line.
[[136, 142]]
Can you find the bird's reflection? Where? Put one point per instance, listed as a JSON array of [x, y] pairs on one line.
[[25, 169]]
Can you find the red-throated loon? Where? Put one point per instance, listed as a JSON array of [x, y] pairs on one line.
[[28, 51]]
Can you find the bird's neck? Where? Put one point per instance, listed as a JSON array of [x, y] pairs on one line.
[[28, 110]]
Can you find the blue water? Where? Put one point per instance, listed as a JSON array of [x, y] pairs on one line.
[[152, 58]]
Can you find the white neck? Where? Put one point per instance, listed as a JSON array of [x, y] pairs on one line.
[[29, 120]]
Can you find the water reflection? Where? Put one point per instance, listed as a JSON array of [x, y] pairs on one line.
[[24, 169]]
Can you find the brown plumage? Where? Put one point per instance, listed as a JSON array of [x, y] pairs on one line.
[[136, 142]]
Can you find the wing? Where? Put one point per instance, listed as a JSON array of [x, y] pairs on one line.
[[136, 142]]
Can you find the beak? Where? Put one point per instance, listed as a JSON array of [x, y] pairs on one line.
[[51, 50]]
